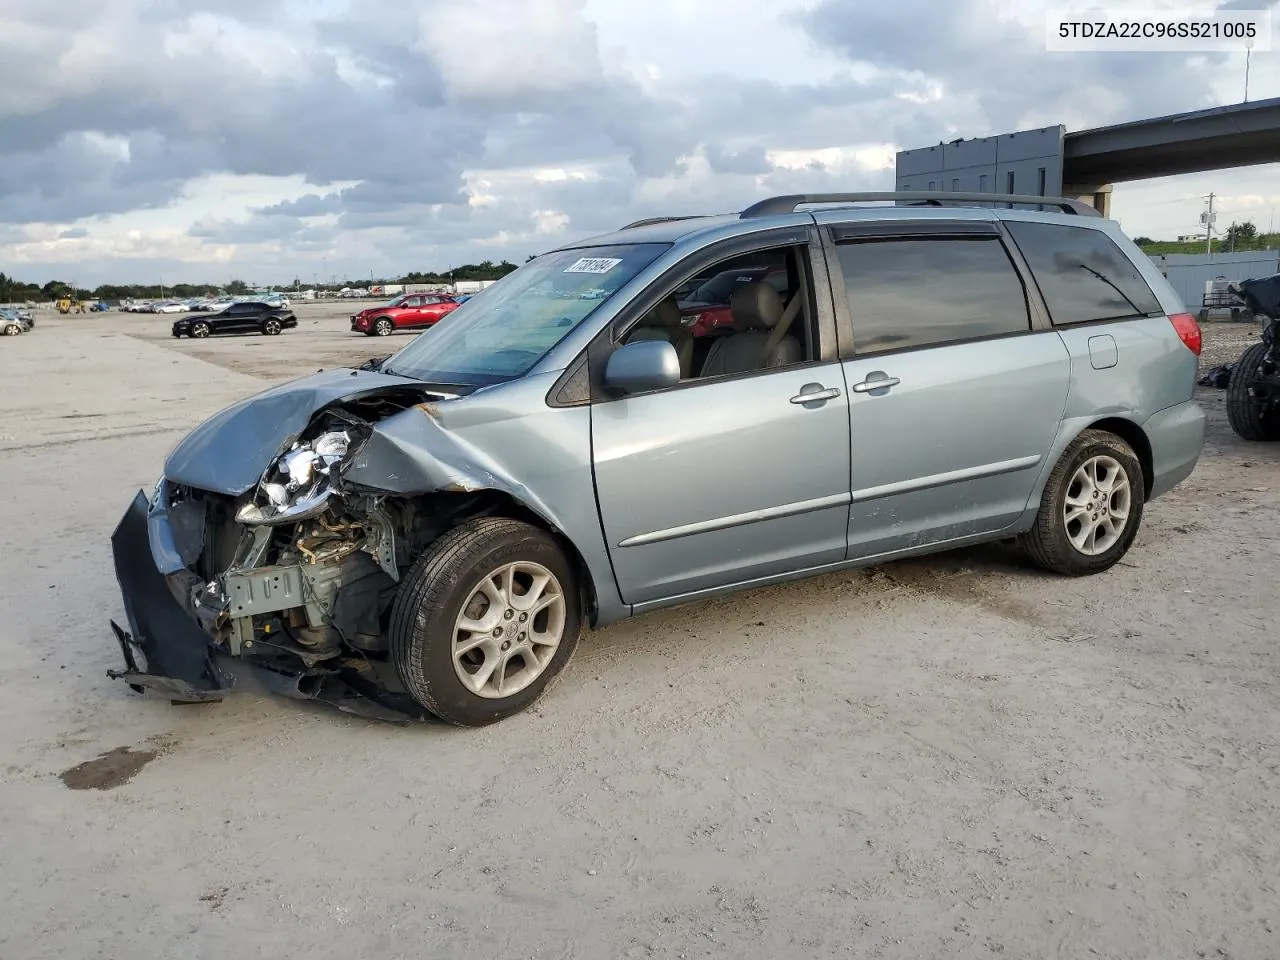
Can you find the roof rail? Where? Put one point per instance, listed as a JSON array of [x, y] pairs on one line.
[[646, 222], [787, 204]]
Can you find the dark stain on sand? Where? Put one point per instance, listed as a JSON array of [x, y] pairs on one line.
[[108, 770]]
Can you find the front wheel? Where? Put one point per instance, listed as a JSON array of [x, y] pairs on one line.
[[270, 328], [485, 621], [1090, 509], [199, 329], [383, 327], [1250, 418]]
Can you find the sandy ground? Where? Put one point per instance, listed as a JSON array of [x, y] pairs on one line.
[[955, 757]]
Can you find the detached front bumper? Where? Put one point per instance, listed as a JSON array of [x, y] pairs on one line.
[[167, 651]]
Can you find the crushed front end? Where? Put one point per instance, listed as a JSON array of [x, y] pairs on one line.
[[283, 588]]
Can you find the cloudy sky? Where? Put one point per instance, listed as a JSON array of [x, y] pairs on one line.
[[145, 140]]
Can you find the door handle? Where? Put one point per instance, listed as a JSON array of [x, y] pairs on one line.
[[874, 382], [816, 396]]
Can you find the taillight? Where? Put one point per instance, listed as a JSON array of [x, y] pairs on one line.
[[1188, 331]]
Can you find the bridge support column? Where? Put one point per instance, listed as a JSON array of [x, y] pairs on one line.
[[1097, 196]]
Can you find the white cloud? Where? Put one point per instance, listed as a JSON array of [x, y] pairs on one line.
[[309, 135]]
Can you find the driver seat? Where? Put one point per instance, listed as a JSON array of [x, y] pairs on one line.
[[761, 339]]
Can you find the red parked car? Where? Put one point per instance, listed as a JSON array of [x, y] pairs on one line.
[[407, 312]]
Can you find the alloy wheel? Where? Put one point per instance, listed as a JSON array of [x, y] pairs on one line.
[[1096, 508], [509, 629]]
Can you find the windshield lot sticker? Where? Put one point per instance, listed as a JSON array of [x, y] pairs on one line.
[[592, 265]]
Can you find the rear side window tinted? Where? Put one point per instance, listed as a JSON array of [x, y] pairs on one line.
[[924, 292], [1082, 274]]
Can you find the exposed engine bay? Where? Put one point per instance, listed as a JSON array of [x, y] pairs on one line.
[[295, 576]]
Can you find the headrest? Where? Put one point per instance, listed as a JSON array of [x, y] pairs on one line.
[[665, 314], [756, 306]]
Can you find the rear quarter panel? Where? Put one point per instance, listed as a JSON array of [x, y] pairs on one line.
[[1153, 369], [1154, 372], [1136, 370]]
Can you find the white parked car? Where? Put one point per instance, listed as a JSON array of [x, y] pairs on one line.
[[169, 306]]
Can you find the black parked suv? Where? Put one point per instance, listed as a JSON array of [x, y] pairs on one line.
[[248, 317]]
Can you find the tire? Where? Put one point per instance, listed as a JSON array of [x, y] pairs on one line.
[[383, 327], [271, 328], [12, 330], [199, 330], [443, 585], [1049, 543], [1249, 419]]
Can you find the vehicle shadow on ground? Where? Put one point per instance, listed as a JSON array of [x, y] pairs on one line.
[[979, 579]]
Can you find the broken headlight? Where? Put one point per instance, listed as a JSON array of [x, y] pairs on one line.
[[300, 482]]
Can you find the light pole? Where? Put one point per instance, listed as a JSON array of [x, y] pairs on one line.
[[1248, 49], [1207, 218]]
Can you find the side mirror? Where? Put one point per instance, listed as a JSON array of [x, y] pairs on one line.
[[642, 366]]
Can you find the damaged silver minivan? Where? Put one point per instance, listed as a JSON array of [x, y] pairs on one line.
[[429, 534]]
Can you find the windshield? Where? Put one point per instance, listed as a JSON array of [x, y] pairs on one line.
[[501, 335], [395, 301]]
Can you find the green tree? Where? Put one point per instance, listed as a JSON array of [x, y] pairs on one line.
[[237, 288], [1241, 236], [56, 290], [14, 291]]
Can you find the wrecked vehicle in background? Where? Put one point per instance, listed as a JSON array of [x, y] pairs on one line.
[[428, 534], [1253, 391]]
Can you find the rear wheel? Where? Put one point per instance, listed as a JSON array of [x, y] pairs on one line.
[[1091, 507], [485, 621], [199, 329], [1249, 417], [270, 327], [383, 327], [12, 330]]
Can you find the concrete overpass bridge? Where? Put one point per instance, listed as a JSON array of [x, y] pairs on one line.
[[1051, 161]]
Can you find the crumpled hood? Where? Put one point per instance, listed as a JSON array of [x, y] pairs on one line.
[[230, 451]]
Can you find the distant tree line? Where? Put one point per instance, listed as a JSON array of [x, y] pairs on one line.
[[485, 270], [15, 291], [1239, 237]]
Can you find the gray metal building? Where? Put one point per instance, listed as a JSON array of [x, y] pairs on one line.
[[1028, 162], [1189, 272]]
